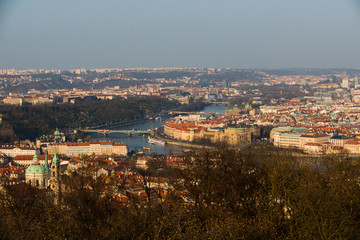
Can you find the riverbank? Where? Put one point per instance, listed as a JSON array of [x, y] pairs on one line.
[[136, 142]]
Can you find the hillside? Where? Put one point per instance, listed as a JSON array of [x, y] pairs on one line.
[[40, 85]]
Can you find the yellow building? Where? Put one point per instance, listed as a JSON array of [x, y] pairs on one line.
[[314, 138], [190, 133], [97, 148]]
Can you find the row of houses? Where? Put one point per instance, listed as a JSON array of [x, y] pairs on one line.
[[13, 150]]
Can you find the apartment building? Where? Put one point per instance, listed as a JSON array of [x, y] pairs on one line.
[[339, 140], [97, 148], [13, 151], [287, 140], [314, 138], [352, 146]]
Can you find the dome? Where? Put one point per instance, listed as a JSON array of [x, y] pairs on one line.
[[36, 169], [57, 133]]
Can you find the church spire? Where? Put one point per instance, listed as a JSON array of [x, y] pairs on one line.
[[35, 159], [46, 161], [55, 160]]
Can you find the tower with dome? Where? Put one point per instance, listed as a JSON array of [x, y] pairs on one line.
[[58, 136]]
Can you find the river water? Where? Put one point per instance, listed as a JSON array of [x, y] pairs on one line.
[[136, 142]]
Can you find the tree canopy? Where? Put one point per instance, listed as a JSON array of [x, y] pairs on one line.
[[254, 193], [34, 121]]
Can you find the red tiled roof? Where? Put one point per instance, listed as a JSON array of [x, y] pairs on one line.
[[119, 144], [315, 135], [12, 147], [353, 142], [30, 157], [313, 144], [337, 148]]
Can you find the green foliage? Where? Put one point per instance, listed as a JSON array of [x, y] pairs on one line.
[[34, 121], [193, 107], [254, 193]]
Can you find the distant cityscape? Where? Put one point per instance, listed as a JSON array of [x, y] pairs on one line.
[[46, 86]]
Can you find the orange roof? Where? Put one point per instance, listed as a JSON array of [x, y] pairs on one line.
[[313, 144], [100, 142], [12, 147], [119, 144], [315, 135], [353, 142], [78, 144], [337, 148], [30, 157]]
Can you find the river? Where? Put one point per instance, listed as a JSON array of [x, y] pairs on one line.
[[136, 142]]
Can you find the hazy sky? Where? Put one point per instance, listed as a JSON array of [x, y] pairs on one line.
[[65, 34]]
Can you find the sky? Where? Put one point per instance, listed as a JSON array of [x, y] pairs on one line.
[[71, 34]]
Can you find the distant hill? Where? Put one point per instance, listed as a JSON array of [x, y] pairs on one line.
[[41, 85], [117, 82], [312, 71], [59, 83]]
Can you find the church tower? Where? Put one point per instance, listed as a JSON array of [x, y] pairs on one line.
[[47, 168], [55, 179]]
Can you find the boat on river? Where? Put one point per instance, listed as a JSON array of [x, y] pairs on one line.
[[156, 141]]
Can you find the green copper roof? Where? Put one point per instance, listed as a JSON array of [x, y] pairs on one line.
[[300, 129], [285, 128], [55, 160], [36, 169], [57, 132], [46, 161], [35, 158]]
